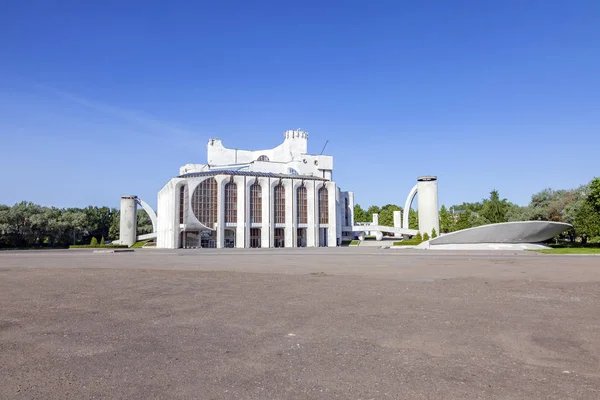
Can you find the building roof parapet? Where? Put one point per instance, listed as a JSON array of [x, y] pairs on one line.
[[250, 173]]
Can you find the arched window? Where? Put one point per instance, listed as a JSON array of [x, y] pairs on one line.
[[204, 202], [255, 204], [347, 212], [302, 203], [323, 206], [230, 203], [262, 158], [279, 204]]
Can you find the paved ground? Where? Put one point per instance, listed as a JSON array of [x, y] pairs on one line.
[[346, 323]]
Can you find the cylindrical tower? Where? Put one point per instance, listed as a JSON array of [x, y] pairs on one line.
[[429, 218], [128, 227]]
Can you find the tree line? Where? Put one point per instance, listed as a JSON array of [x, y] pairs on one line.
[[26, 224], [579, 207]]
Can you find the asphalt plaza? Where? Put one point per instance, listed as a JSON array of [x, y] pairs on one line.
[[346, 323]]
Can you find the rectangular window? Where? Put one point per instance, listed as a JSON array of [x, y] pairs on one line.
[[323, 206], [279, 203], [302, 204], [231, 203], [255, 204]]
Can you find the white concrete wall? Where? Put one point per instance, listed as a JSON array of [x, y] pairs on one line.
[[333, 222], [291, 154], [168, 215]]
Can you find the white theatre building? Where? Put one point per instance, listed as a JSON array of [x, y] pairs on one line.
[[282, 197]]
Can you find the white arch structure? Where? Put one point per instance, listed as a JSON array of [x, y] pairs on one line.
[[407, 205]]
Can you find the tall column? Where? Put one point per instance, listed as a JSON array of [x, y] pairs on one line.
[[248, 183], [128, 220], [375, 219], [312, 230], [221, 182], [332, 230], [241, 229], [429, 218], [397, 219], [290, 223], [266, 233]]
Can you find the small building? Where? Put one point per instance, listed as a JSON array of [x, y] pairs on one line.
[[281, 197]]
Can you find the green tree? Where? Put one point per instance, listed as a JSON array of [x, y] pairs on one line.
[[462, 221], [360, 215], [494, 209], [446, 220], [594, 196], [418, 237], [425, 237], [386, 214], [433, 233], [372, 210], [413, 219], [587, 221], [144, 223], [102, 242], [94, 241], [115, 224]]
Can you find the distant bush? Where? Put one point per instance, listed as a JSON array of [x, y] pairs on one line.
[[102, 241], [433, 233], [99, 246], [408, 242], [425, 237], [418, 237], [94, 241]]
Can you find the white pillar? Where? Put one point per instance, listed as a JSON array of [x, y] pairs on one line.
[[241, 229], [429, 218], [266, 233], [128, 220], [397, 219], [312, 230], [375, 219], [221, 182], [332, 224], [290, 223]]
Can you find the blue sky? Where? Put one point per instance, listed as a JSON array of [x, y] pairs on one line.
[[103, 98]]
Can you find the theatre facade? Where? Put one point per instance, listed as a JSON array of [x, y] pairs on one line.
[[281, 197]]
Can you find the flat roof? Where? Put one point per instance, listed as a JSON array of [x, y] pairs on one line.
[[250, 173]]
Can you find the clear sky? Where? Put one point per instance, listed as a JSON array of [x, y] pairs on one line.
[[104, 98]]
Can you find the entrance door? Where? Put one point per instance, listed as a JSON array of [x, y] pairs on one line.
[[301, 237], [279, 237], [323, 237], [255, 238], [229, 239]]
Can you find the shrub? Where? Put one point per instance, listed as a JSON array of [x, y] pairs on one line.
[[102, 241], [94, 241], [97, 246], [425, 237], [408, 242], [418, 237], [433, 233]]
